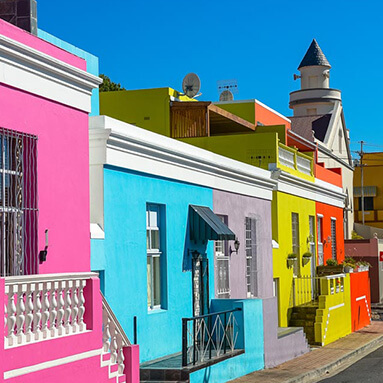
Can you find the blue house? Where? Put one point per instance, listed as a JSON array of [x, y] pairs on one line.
[[153, 231]]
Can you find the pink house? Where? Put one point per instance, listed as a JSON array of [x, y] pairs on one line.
[[56, 325]]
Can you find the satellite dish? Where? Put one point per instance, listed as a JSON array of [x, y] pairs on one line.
[[191, 85], [226, 95]]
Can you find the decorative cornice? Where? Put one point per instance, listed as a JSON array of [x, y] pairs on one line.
[[319, 191], [28, 69], [180, 161]]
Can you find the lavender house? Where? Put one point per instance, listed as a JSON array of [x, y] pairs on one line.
[[245, 270]]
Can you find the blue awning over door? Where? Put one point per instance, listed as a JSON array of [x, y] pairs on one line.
[[205, 225]]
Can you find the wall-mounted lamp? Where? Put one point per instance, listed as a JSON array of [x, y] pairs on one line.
[[43, 253], [236, 246], [327, 241]]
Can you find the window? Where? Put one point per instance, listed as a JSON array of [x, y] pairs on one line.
[[368, 203], [18, 204], [222, 266], [251, 256], [295, 236], [320, 239], [333, 238], [154, 254]]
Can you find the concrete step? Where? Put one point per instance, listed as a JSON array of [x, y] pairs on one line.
[[300, 316], [305, 310], [163, 375]]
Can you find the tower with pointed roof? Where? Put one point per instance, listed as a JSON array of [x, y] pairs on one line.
[[315, 96], [318, 117]]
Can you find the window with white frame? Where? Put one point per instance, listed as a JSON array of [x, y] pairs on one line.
[[251, 256], [312, 237], [153, 246], [333, 238], [222, 265], [295, 237]]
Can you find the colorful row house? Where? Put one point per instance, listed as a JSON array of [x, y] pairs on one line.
[[53, 313]]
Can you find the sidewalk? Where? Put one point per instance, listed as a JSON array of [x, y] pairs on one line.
[[315, 363]]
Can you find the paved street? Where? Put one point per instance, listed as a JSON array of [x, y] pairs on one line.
[[367, 370], [313, 366]]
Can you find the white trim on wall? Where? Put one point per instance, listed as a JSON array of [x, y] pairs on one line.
[[30, 70], [319, 191], [52, 363]]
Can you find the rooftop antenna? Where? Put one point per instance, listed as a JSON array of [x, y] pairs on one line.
[[227, 89], [191, 85], [226, 95]]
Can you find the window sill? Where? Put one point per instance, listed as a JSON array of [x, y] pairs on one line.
[[157, 311]]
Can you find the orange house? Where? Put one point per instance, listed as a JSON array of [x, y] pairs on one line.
[[330, 228]]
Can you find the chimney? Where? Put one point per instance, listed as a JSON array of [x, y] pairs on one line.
[[22, 13]]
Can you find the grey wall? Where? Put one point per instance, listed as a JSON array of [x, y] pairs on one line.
[[237, 207]]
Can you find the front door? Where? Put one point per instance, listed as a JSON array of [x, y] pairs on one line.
[[200, 280], [313, 257]]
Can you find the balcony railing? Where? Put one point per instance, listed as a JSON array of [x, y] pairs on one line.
[[294, 160], [308, 288], [286, 157], [41, 307], [209, 336]]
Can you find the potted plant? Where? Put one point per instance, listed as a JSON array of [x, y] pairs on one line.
[[307, 255], [331, 262], [349, 264], [291, 258], [331, 268], [363, 266]]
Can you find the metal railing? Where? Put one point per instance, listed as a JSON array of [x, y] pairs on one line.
[[209, 336], [306, 289]]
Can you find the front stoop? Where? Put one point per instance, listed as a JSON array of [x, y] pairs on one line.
[[304, 316], [169, 369]]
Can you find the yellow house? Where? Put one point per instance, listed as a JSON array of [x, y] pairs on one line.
[[372, 190]]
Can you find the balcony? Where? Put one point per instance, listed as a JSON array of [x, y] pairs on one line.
[[293, 159], [314, 95], [60, 319]]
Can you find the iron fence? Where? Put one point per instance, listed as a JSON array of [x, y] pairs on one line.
[[209, 336]]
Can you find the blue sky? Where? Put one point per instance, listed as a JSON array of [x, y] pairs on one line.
[[146, 44]]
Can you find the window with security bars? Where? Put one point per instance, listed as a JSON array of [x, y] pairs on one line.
[[18, 203], [222, 265], [295, 236], [251, 256], [333, 238]]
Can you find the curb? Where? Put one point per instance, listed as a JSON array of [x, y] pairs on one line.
[[321, 371]]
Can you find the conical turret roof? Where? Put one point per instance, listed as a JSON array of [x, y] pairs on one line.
[[314, 56]]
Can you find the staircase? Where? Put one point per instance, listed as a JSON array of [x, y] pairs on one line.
[[304, 316], [114, 341]]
